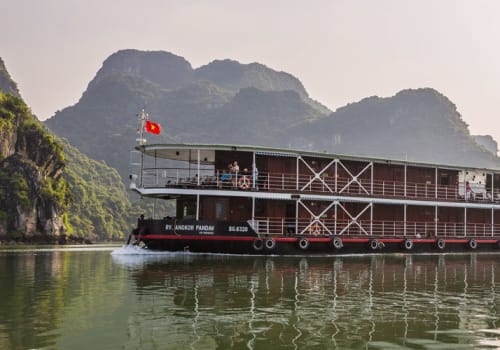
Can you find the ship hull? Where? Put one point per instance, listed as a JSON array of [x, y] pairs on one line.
[[240, 238]]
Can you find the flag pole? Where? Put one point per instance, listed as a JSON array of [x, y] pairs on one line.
[[142, 120]]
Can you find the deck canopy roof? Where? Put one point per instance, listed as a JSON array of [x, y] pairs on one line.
[[189, 153]]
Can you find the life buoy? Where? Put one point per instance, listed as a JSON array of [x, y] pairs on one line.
[[441, 244], [270, 244], [258, 244], [303, 243], [244, 183], [337, 243], [472, 244], [408, 244], [315, 229]]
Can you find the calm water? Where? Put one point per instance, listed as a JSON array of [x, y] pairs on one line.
[[86, 298]]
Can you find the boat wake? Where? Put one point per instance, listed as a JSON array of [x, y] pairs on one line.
[[135, 250], [134, 256]]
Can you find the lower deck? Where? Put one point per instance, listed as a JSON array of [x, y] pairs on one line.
[[331, 218]]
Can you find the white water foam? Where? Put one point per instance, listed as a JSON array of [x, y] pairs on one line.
[[135, 250], [134, 256]]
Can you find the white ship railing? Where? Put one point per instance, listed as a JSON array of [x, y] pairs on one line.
[[286, 182], [385, 228]]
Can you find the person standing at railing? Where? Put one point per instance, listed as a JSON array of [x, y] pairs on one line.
[[255, 176], [235, 169], [224, 179]]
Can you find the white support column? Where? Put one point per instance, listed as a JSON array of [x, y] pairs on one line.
[[198, 170], [371, 219], [336, 174], [406, 170], [404, 219], [465, 221], [297, 175], [253, 208], [197, 207], [371, 180], [436, 183], [296, 216], [189, 164], [436, 220], [492, 222], [335, 222], [493, 187], [254, 166]]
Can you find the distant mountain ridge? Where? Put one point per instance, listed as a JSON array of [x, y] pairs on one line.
[[415, 124], [228, 102]]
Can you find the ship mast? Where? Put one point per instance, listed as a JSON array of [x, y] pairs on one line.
[[142, 117]]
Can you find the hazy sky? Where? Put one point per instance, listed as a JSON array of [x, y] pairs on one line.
[[341, 50]]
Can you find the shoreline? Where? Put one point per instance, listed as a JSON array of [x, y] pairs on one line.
[[46, 240]]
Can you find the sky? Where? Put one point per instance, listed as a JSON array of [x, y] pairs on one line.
[[341, 50]]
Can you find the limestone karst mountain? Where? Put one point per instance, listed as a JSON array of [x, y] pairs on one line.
[[229, 102]]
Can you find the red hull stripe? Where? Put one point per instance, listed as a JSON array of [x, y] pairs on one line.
[[310, 239]]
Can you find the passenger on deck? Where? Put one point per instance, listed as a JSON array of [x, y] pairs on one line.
[[224, 179], [255, 175], [235, 169]]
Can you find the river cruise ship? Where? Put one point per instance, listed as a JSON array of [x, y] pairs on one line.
[[240, 199]]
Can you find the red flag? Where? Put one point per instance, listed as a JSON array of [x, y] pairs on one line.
[[153, 128]]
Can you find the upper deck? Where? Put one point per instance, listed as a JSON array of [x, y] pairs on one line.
[[260, 169]]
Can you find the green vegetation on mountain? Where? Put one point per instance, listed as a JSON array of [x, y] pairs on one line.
[[34, 196], [7, 85], [100, 208], [49, 190]]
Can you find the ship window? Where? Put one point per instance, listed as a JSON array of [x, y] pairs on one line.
[[189, 209]]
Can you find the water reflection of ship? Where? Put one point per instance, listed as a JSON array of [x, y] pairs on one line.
[[344, 302]]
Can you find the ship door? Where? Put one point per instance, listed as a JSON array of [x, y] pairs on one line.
[[221, 209], [290, 213]]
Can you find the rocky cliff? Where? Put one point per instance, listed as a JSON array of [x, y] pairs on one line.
[[48, 189], [34, 196]]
